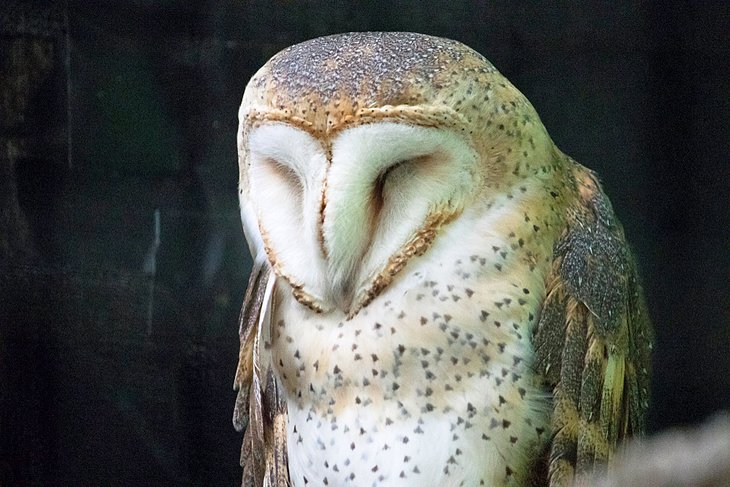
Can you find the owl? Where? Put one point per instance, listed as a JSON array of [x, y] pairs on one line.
[[440, 296]]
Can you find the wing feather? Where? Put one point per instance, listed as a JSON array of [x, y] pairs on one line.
[[260, 407], [593, 340], [247, 326], [277, 474]]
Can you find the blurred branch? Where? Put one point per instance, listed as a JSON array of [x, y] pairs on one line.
[[680, 458]]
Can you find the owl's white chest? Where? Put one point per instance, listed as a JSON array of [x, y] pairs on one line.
[[431, 384]]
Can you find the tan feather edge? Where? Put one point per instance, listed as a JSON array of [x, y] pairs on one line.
[[247, 321]]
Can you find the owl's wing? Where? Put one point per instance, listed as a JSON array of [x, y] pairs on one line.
[[593, 339], [260, 406]]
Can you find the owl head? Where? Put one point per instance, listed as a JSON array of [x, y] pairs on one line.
[[357, 150]]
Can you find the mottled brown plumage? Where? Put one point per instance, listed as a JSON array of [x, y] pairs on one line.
[[497, 336], [593, 341]]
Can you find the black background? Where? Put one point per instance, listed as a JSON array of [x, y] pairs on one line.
[[113, 376]]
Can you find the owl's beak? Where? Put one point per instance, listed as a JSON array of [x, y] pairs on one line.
[[347, 223], [344, 244]]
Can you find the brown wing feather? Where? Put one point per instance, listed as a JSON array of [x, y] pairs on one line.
[[260, 407], [247, 321], [277, 472], [593, 339]]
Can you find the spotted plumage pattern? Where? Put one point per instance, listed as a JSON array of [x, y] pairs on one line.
[[439, 296]]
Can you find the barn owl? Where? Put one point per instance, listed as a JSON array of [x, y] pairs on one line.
[[440, 296]]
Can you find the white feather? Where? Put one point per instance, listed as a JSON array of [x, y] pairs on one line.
[[431, 168], [286, 174], [427, 169]]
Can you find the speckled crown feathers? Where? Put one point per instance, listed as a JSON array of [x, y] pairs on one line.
[[327, 83]]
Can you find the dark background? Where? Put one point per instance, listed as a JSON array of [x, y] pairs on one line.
[[117, 357]]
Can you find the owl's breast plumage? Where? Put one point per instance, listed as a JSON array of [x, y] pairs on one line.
[[432, 383]]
